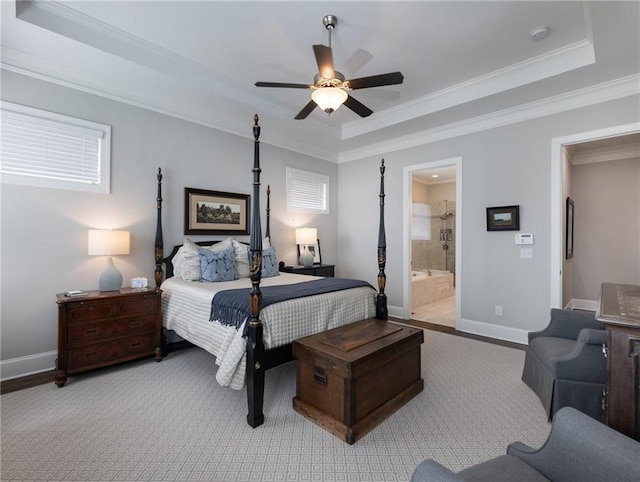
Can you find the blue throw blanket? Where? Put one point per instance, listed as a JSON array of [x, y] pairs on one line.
[[231, 307]]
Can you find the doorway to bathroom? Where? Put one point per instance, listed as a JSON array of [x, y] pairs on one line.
[[434, 243]]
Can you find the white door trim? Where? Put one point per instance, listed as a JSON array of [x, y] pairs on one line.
[[406, 230], [557, 195]]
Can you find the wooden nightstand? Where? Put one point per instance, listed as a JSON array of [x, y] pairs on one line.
[[104, 328], [327, 270]]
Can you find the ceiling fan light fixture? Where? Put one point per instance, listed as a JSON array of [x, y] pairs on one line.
[[329, 98]]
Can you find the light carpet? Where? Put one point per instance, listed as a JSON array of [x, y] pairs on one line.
[[172, 421]]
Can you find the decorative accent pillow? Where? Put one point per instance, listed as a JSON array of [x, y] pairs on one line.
[[189, 261], [269, 263], [217, 266]]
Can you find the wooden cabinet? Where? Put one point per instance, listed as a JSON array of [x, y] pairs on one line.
[[104, 328], [327, 270], [620, 312]]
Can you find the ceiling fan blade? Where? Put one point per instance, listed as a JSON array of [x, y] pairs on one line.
[[282, 84], [324, 58], [392, 78], [306, 110], [357, 107]]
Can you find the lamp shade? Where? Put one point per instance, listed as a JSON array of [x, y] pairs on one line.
[[104, 242], [329, 98], [306, 236]]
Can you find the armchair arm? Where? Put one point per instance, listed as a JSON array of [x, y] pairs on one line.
[[586, 362], [568, 324], [590, 336], [430, 470], [580, 448]]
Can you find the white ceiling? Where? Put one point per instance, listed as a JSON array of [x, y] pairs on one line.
[[462, 61]]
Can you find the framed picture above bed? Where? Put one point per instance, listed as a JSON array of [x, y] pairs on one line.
[[215, 212]]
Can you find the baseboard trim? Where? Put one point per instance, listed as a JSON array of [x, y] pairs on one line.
[[586, 305], [27, 365], [489, 330]]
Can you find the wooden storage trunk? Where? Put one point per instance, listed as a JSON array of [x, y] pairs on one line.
[[351, 378]]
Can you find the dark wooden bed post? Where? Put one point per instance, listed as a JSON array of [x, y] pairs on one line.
[[159, 243], [381, 299], [268, 232], [255, 346]]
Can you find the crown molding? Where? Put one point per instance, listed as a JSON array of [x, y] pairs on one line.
[[538, 68], [604, 92], [629, 150]]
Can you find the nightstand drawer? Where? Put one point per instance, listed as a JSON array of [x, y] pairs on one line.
[[144, 304], [87, 311], [324, 271], [89, 332], [97, 354]]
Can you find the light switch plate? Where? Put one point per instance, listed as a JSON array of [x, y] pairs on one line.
[[526, 253]]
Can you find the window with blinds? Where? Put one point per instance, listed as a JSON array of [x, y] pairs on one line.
[[44, 149], [307, 191]]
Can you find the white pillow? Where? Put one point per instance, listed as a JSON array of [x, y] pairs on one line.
[[176, 261], [241, 252], [190, 269]]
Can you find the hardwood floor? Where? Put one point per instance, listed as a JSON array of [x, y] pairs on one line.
[[29, 381]]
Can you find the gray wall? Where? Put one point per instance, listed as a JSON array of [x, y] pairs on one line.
[[607, 226], [44, 231], [501, 166]]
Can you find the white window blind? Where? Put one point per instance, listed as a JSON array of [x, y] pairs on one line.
[[45, 149], [307, 191]]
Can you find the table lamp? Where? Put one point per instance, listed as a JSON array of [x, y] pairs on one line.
[[304, 238], [103, 242]]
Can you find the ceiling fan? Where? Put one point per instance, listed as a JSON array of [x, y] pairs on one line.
[[330, 89]]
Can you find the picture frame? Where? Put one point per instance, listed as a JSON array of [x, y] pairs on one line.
[[315, 250], [215, 212], [503, 218], [569, 229]]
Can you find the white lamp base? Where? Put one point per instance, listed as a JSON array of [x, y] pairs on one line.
[[306, 258], [110, 279]]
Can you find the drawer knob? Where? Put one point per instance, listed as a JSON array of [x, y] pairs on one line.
[[135, 324], [91, 331], [135, 344], [91, 354]]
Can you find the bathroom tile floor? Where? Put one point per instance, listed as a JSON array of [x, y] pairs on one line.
[[441, 312]]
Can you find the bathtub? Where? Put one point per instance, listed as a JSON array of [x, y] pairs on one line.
[[430, 285]]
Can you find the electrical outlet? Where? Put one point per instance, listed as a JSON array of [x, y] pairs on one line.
[[498, 310]]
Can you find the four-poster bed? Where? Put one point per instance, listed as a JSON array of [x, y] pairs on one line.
[[244, 352]]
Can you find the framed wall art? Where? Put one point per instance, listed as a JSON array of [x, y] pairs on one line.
[[503, 218], [315, 251], [215, 212], [569, 230]]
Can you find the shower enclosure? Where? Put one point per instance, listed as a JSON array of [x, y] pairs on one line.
[[438, 251]]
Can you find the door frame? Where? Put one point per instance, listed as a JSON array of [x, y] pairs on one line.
[[558, 196], [406, 230]]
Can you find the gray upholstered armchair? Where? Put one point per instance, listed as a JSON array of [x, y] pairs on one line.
[[579, 449], [565, 363]]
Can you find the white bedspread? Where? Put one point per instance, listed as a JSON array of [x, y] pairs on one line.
[[186, 306]]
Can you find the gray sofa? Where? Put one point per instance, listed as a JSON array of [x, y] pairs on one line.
[[565, 364], [578, 449]]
